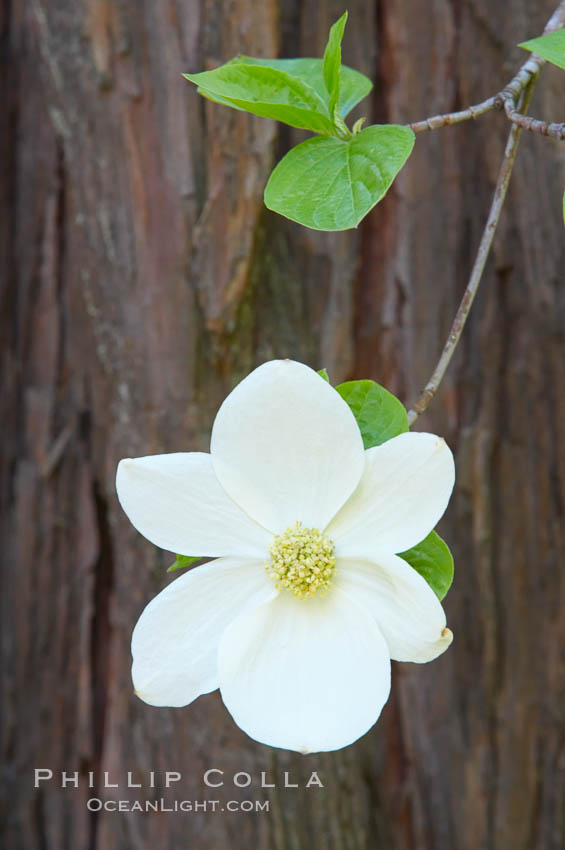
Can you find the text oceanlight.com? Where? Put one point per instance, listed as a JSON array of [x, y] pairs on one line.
[[94, 804]]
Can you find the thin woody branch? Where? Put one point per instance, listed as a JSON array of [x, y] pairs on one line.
[[521, 86], [436, 122], [526, 122], [462, 314], [507, 98]]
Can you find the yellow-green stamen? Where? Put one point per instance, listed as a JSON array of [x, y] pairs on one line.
[[302, 561]]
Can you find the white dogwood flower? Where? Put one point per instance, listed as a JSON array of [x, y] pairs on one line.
[[297, 619]]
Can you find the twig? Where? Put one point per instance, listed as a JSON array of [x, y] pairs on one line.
[[477, 271], [520, 87], [526, 122], [436, 122], [507, 98]]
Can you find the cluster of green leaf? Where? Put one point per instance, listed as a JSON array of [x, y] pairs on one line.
[[330, 181]]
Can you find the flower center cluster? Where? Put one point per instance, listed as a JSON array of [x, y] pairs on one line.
[[302, 561]]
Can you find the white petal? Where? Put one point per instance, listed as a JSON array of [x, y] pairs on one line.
[[175, 501], [309, 675], [175, 642], [286, 447], [402, 494], [407, 610]]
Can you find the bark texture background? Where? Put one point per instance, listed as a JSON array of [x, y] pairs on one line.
[[142, 277]]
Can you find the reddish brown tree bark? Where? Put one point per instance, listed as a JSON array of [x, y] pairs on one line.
[[142, 278]]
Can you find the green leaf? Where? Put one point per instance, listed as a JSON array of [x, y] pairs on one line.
[[183, 561], [331, 184], [379, 414], [353, 86], [332, 61], [267, 92], [433, 560], [550, 47], [323, 373], [217, 99]]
